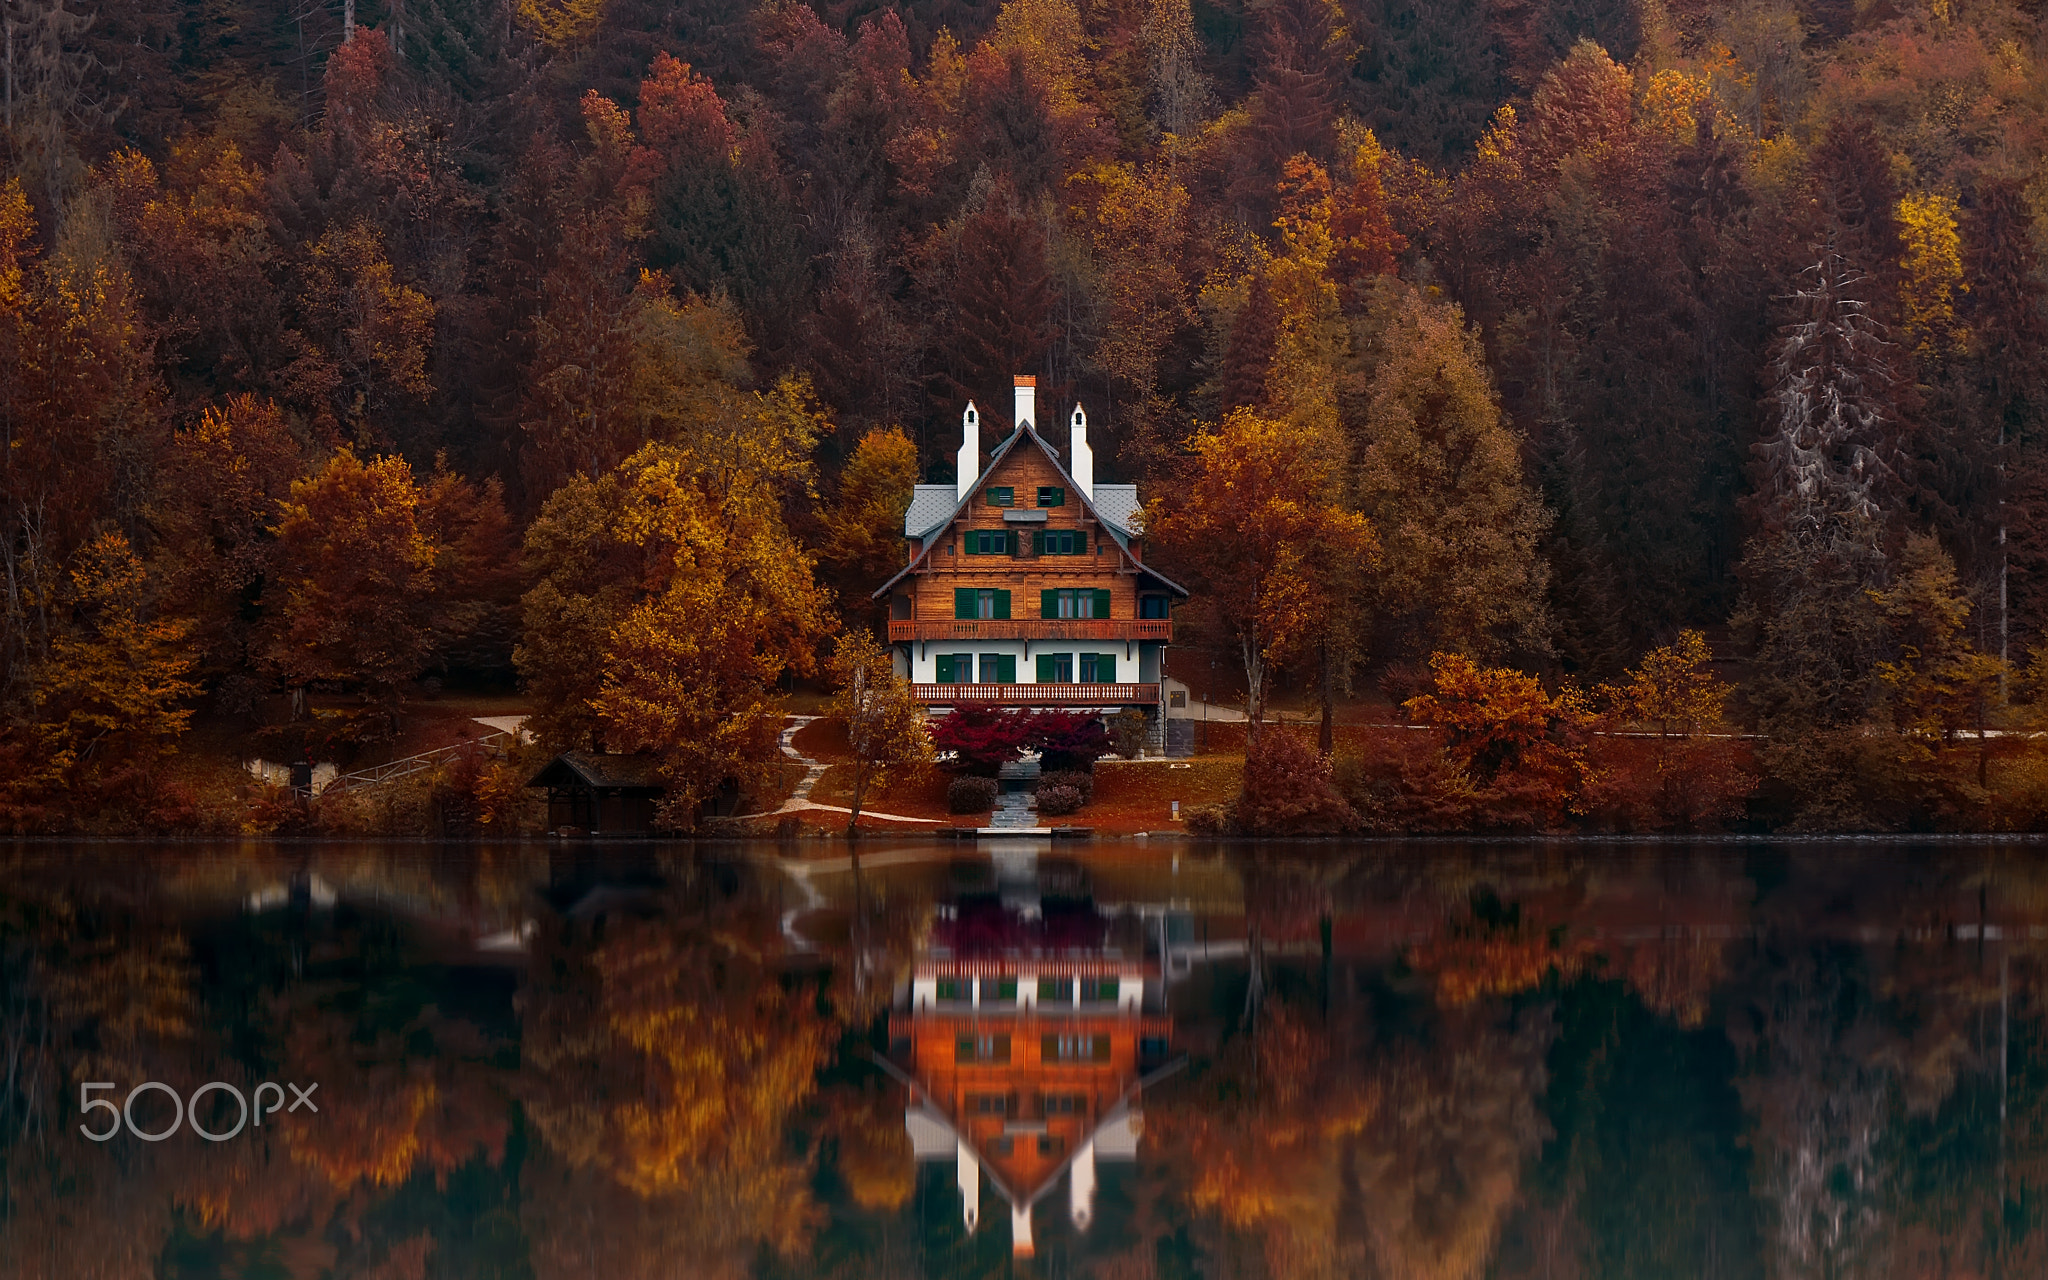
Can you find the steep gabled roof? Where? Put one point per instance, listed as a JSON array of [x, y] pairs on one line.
[[592, 769], [933, 507]]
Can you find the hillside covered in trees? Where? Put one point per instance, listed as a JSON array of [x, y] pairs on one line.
[[347, 343]]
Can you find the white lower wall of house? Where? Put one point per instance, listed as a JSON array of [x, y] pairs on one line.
[[1135, 662]]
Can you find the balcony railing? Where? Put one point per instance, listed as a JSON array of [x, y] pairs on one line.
[[1033, 629], [1037, 695]]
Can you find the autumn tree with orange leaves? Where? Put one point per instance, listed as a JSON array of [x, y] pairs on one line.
[[1265, 545], [372, 572], [1519, 747]]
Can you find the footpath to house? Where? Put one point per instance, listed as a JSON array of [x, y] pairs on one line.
[[800, 799]]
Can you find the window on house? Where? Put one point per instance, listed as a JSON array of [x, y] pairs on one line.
[[1002, 495], [999, 668], [1056, 989], [988, 1104], [981, 602], [1075, 1048], [953, 668], [1051, 1144], [1154, 607], [988, 542], [1055, 668], [1079, 602], [979, 1049], [1051, 495], [1005, 984], [1064, 1104], [954, 989], [1100, 989], [1098, 668], [1060, 542]]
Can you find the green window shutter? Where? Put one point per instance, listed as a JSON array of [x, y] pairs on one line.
[[1047, 674], [1038, 542], [964, 602], [1009, 542], [1102, 1048], [1105, 668], [1048, 603], [1080, 542], [1102, 603], [1049, 1049], [1006, 667], [944, 668], [1002, 604]]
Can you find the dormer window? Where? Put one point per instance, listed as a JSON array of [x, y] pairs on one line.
[[1001, 495], [1051, 495]]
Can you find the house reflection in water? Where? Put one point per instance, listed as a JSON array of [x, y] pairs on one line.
[[1027, 1032]]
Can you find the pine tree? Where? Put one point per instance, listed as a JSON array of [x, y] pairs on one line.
[[1001, 295], [1830, 463], [1254, 340], [1301, 51], [1428, 78]]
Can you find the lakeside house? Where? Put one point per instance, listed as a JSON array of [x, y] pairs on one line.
[[1026, 584]]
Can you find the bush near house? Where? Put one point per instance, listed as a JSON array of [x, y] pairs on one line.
[[971, 793]]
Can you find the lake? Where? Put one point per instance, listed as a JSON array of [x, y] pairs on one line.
[[398, 1061]]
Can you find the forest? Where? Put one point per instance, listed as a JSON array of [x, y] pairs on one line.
[[1476, 352]]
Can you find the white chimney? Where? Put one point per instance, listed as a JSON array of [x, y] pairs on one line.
[[968, 470], [1081, 1186], [1021, 1243], [967, 1172], [1027, 401], [1080, 458]]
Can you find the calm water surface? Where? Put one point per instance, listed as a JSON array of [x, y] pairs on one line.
[[1742, 1060]]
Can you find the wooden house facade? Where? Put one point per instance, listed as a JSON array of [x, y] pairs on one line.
[[1026, 583]]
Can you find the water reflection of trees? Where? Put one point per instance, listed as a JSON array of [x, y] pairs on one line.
[[1502, 1063]]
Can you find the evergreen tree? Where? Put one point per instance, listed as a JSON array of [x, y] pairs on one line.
[[1254, 340], [1428, 78], [999, 291]]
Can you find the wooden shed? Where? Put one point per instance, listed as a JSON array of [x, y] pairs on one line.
[[602, 795]]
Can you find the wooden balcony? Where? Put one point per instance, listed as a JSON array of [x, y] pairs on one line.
[[1032, 629], [1037, 695]]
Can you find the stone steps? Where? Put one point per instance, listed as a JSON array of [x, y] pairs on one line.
[[1016, 805]]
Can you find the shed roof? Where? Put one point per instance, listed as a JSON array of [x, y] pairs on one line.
[[601, 770]]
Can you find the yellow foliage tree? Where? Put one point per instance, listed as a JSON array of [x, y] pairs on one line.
[[1933, 273], [1440, 476], [671, 600], [1675, 689], [113, 688], [885, 725], [864, 527]]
